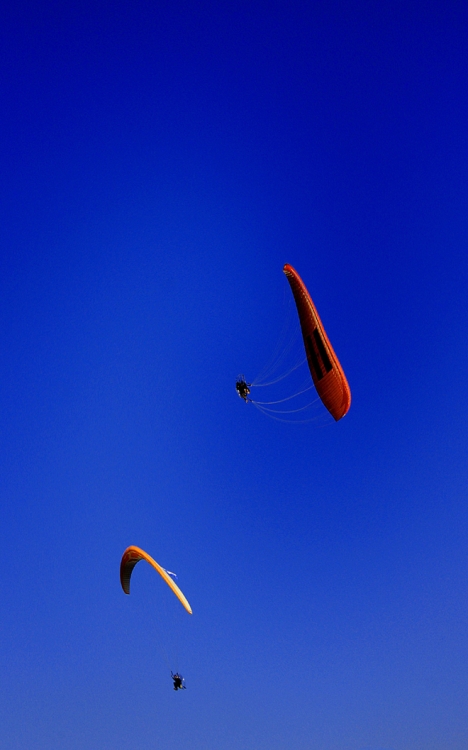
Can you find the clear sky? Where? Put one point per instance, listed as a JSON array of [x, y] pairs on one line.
[[161, 161]]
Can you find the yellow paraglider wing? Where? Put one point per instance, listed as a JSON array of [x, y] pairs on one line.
[[131, 557]]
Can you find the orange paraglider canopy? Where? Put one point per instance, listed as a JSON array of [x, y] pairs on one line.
[[327, 374], [131, 557]]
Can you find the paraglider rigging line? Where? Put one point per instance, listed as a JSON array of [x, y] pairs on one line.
[[271, 413], [288, 398], [256, 384]]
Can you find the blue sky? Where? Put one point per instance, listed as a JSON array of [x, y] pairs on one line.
[[160, 164]]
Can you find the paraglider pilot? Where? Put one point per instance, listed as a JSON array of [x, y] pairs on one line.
[[178, 681], [243, 388]]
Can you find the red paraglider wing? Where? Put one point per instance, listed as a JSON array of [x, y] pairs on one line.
[[326, 371]]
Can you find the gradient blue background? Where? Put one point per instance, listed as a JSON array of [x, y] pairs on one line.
[[160, 163]]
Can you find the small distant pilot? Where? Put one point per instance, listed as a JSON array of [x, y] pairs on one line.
[[178, 681], [243, 389]]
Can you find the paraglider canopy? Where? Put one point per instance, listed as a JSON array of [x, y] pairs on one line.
[[131, 557], [327, 373]]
